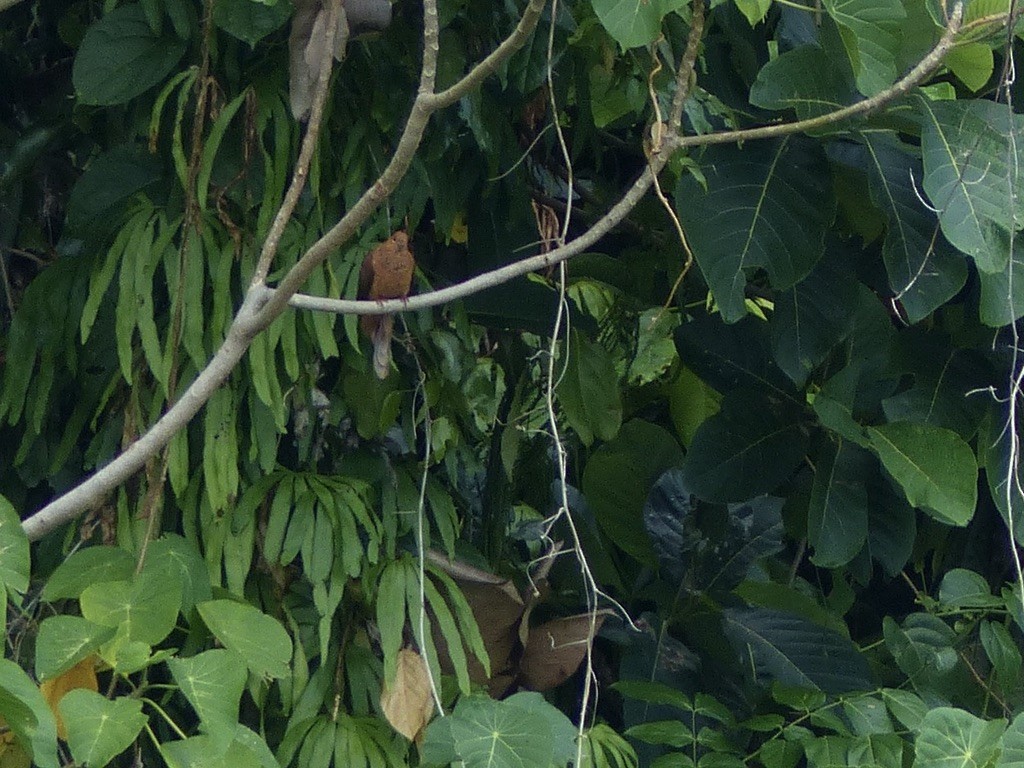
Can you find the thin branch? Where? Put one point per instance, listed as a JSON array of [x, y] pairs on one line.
[[291, 197], [261, 305], [684, 75], [900, 88], [5, 4], [620, 210]]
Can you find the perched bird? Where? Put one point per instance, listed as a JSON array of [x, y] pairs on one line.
[[386, 274]]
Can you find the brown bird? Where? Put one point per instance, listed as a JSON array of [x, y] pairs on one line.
[[386, 274]]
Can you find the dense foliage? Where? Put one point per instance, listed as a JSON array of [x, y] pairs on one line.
[[737, 484]]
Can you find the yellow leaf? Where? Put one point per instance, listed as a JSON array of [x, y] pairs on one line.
[[82, 675], [407, 702], [459, 233]]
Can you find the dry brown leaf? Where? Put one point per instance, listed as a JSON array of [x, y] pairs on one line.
[[555, 649], [407, 702], [82, 675]]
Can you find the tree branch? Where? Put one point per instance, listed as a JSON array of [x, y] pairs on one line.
[[621, 209], [261, 304]]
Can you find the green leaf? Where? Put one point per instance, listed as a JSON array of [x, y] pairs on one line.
[[953, 738], [968, 170], [733, 225], [14, 553], [617, 478], [1002, 292], [669, 733], [655, 350], [1012, 755], [924, 649], [935, 468], [748, 448], [806, 80], [996, 452], [812, 318], [213, 682], [99, 729], [1004, 654], [260, 640], [633, 23], [690, 403], [754, 10], [794, 652], [589, 390], [85, 567], [875, 751], [924, 270], [120, 57], [63, 641], [485, 733], [26, 712], [962, 588], [250, 20], [870, 30], [837, 516], [972, 63], [906, 707], [220, 449], [107, 183], [144, 608]]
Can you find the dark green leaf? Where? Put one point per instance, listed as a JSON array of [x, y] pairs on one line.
[[120, 57], [792, 651], [748, 448], [588, 390], [618, 476], [631, 23], [1002, 292], [806, 79], [837, 517], [766, 206], [250, 20], [109, 180]]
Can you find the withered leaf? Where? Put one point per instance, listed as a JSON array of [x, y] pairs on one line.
[[407, 702]]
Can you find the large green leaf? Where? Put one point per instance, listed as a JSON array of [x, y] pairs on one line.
[[943, 377], [213, 682], [953, 738], [85, 567], [765, 206], [970, 176], [249, 20], [790, 650], [1002, 464], [26, 713], [925, 650], [1002, 292], [98, 728], [120, 57], [618, 476], [63, 641], [588, 390], [812, 317], [145, 608], [260, 640], [109, 180], [837, 515], [634, 22], [484, 733], [924, 270], [731, 356], [14, 554], [935, 468], [746, 449], [806, 79], [870, 30]]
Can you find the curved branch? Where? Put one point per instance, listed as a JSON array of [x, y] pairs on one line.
[[619, 211], [261, 305]]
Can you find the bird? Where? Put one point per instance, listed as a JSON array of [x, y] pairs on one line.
[[386, 274]]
